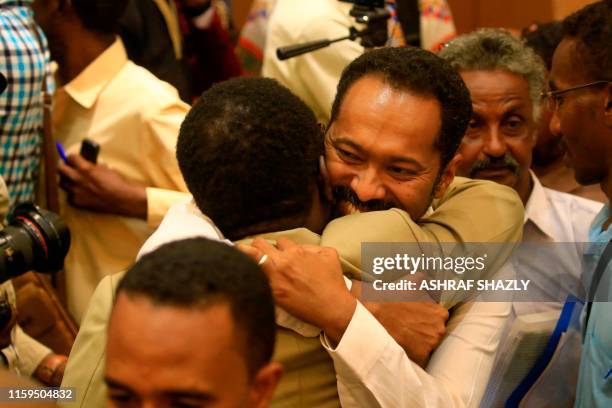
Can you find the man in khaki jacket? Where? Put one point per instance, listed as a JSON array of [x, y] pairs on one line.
[[238, 193]]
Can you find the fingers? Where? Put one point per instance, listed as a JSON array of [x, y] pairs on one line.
[[69, 177], [254, 253], [316, 249], [285, 243], [69, 173], [274, 259], [66, 184], [445, 314], [265, 247], [78, 162], [286, 247]]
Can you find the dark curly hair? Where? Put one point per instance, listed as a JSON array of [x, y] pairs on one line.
[[591, 27], [248, 151], [200, 273], [101, 16], [543, 39], [420, 72]]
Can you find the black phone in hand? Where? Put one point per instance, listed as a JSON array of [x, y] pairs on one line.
[[90, 150]]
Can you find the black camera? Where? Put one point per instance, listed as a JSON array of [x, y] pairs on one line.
[[35, 239]]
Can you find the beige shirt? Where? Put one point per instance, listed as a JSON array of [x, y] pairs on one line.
[[135, 118]]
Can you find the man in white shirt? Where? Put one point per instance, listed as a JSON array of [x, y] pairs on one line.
[[312, 76], [505, 79]]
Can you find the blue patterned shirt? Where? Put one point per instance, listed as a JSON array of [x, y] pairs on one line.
[[595, 379], [23, 63]]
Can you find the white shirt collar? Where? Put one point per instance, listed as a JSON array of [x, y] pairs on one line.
[[539, 210], [182, 221]]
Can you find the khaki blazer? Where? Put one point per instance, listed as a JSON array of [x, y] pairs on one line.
[[470, 211]]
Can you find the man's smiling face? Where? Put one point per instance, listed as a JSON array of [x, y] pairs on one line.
[[381, 150]]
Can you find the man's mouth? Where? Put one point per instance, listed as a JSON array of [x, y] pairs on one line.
[[347, 202], [494, 171]]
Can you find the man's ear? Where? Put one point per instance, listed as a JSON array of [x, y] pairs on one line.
[[608, 106], [264, 384], [448, 175]]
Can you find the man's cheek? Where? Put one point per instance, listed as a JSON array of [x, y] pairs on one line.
[[469, 156], [463, 169], [339, 173]]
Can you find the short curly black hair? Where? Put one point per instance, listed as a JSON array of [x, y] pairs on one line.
[[249, 152], [544, 39], [101, 16], [591, 28], [199, 272], [422, 73]]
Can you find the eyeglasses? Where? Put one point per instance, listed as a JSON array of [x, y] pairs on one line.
[[554, 96]]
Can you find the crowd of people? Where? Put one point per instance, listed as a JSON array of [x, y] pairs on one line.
[[221, 238]]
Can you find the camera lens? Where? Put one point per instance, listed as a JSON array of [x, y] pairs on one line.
[[35, 240]]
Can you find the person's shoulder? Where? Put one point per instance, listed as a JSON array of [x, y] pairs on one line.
[[463, 183], [143, 79], [296, 9], [306, 18], [471, 191], [367, 221], [105, 290], [573, 205], [140, 85]]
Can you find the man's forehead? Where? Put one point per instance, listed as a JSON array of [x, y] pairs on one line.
[[496, 83], [566, 68], [383, 89]]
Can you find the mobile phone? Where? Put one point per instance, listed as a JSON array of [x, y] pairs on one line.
[[90, 150]]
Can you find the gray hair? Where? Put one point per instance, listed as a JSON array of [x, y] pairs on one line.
[[489, 49]]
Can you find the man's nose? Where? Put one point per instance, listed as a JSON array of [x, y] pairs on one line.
[[555, 124], [368, 185], [495, 144]]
